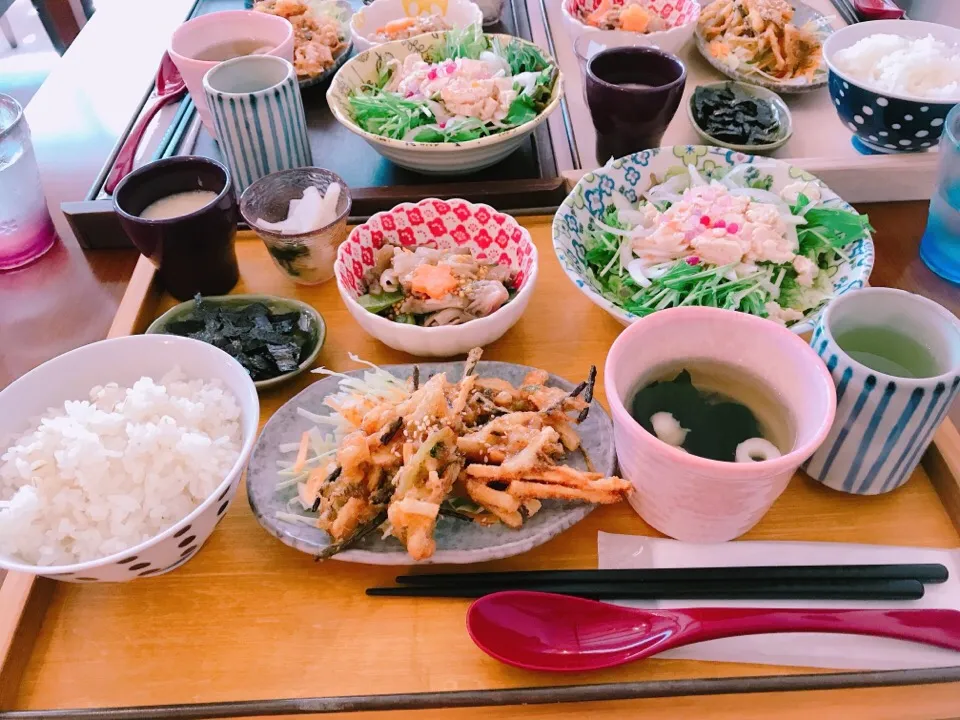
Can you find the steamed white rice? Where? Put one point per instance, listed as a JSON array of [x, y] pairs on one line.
[[98, 476], [923, 67]]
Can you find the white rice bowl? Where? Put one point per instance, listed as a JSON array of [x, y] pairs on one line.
[[924, 67], [118, 459]]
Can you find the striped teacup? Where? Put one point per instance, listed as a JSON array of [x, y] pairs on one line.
[[258, 115], [884, 422]]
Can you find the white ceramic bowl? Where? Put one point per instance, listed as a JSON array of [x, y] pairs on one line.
[[365, 22], [125, 360], [681, 15], [489, 234], [426, 157]]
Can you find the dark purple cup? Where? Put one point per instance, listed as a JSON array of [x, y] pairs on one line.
[[194, 253], [633, 94]]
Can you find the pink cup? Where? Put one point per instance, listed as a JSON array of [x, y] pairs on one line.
[[203, 32], [691, 498]]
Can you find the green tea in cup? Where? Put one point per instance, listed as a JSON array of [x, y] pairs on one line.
[[888, 351]]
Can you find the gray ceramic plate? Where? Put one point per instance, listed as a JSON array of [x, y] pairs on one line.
[[802, 15], [458, 541], [276, 304], [779, 106]]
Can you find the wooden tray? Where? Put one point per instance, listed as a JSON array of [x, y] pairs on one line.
[[528, 179], [256, 628]]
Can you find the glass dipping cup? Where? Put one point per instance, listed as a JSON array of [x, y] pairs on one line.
[[26, 230], [940, 246]]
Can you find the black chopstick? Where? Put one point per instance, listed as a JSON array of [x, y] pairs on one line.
[[922, 572], [847, 11], [760, 590]]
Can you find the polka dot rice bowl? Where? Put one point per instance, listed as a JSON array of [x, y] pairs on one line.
[[124, 361], [883, 121]]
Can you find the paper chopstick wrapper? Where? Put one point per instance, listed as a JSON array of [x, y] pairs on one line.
[[819, 650]]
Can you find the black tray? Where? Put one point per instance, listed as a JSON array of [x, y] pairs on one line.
[[525, 182]]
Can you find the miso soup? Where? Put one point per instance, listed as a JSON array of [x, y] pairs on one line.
[[713, 408]]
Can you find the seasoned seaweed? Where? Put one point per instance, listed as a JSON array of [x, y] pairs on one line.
[[733, 116], [267, 344]]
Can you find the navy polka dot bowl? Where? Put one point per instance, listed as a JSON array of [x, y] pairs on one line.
[[883, 121]]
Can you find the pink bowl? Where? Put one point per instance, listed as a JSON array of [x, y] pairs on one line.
[[490, 235], [691, 498]]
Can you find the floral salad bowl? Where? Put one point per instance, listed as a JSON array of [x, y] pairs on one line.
[[627, 179]]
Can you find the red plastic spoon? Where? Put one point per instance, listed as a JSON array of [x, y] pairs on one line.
[[169, 86], [544, 631]]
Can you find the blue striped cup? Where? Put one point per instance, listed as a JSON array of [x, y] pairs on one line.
[[884, 423], [258, 115]]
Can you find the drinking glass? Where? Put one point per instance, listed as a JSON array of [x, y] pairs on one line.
[[591, 43], [26, 230], [940, 246], [632, 94]]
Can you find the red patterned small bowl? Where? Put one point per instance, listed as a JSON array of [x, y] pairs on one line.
[[488, 233], [680, 17]]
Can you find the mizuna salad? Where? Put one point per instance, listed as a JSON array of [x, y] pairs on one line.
[[470, 86], [728, 243]]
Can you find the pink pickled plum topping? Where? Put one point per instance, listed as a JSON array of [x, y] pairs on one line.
[[442, 124], [451, 68], [705, 220], [733, 228], [432, 75], [693, 260], [721, 223]]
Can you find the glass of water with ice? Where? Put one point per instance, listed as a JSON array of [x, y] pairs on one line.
[[26, 230], [940, 247]]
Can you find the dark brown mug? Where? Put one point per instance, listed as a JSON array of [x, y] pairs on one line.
[[194, 253], [633, 94]]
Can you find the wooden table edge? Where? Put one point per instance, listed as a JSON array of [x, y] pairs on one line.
[[24, 598]]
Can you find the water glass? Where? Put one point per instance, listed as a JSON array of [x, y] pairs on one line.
[[940, 246], [26, 230]]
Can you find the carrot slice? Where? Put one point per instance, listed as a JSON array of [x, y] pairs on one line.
[[302, 452], [435, 281]]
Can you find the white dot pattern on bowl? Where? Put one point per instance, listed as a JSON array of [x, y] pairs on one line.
[[936, 122], [908, 118], [837, 102], [896, 126], [925, 144], [846, 86], [858, 119], [874, 138], [852, 126], [922, 133], [905, 142], [925, 108], [867, 110], [882, 102], [884, 133]]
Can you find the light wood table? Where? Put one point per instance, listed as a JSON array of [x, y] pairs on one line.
[[250, 618]]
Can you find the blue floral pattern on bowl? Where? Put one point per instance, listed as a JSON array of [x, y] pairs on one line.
[[594, 192]]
